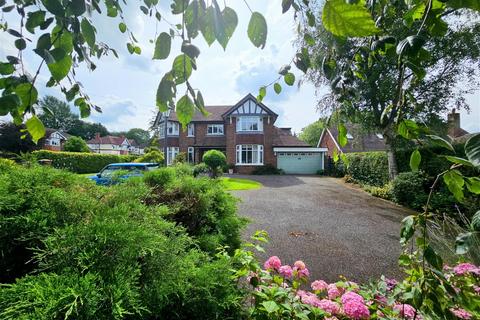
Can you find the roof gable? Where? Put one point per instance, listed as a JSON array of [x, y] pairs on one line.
[[249, 105]]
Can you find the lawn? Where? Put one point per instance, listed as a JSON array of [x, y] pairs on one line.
[[240, 184]]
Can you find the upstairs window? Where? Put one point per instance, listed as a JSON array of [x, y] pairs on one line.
[[249, 124], [191, 130], [215, 129], [173, 128]]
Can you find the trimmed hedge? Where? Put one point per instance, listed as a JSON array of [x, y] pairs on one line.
[[369, 168], [80, 162]]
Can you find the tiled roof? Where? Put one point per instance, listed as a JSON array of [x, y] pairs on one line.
[[49, 131], [455, 133], [216, 113], [282, 137], [107, 140], [361, 141]]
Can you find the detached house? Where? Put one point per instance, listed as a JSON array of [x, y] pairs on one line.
[[113, 145], [54, 139], [245, 132]]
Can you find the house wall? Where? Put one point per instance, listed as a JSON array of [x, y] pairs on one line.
[[328, 142]]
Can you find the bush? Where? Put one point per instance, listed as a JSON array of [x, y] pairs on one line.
[[215, 160], [76, 144], [410, 189], [6, 164], [80, 162], [267, 169], [200, 168], [180, 158], [152, 156], [161, 177], [384, 192], [370, 168]]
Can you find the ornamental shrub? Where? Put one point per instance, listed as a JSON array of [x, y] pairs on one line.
[[76, 144], [384, 192], [200, 168], [161, 177], [410, 189], [80, 162], [215, 160], [369, 168], [152, 156], [6, 164]]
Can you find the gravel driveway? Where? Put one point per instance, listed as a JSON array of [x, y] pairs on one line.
[[334, 228]]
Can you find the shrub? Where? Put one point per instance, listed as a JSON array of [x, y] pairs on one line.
[[161, 177], [200, 168], [183, 169], [153, 156], [6, 164], [409, 189], [215, 160], [80, 162], [180, 158], [267, 169], [76, 144], [370, 168], [384, 192]]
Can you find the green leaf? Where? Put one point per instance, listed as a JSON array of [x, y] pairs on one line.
[[35, 19], [62, 39], [60, 67], [458, 160], [257, 30], [185, 110], [433, 258], [6, 68], [472, 149], [284, 69], [286, 4], [415, 159], [165, 92], [289, 78], [27, 94], [473, 184], [190, 50], [342, 135], [277, 87], [469, 4], [162, 46], [476, 221], [207, 25], [270, 306], [439, 141], [309, 39], [463, 242], [408, 129], [54, 6], [348, 20], [407, 230], [35, 128], [9, 103], [122, 27], [200, 104], [77, 7], [20, 44], [262, 92], [182, 68], [88, 32], [44, 43], [454, 181], [230, 21], [192, 19]]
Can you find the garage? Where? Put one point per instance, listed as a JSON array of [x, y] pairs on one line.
[[300, 160]]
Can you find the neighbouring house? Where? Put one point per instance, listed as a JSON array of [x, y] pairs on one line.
[[455, 131], [114, 145], [357, 140], [54, 139], [245, 132]]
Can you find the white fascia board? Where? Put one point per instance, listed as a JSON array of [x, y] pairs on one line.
[[300, 149]]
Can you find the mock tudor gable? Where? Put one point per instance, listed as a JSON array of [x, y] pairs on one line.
[[249, 106]]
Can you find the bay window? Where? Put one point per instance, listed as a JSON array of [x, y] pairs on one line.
[[172, 153], [250, 123], [249, 154], [173, 128], [215, 129]]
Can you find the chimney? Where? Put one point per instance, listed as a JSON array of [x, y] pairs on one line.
[[453, 122], [97, 136]]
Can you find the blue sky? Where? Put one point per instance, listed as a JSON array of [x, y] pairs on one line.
[[125, 88]]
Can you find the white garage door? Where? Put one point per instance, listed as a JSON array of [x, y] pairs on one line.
[[300, 162]]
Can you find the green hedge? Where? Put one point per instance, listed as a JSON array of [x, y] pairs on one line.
[[80, 162], [370, 168]]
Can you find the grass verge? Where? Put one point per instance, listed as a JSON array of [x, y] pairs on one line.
[[240, 184]]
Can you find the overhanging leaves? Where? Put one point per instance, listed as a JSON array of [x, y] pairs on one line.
[[185, 110], [348, 20], [257, 30], [415, 159], [472, 149], [454, 181], [36, 128], [162, 46]]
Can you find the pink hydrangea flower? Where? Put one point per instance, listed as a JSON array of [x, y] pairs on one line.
[[308, 298], [303, 273], [381, 299], [329, 306], [463, 268], [286, 271], [331, 318], [352, 296], [319, 285], [476, 289], [406, 311], [299, 265], [356, 310], [391, 283], [461, 313], [273, 263], [333, 291]]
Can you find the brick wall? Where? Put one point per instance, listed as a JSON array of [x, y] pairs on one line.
[[329, 143]]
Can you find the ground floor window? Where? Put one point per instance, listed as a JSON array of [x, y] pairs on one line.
[[191, 155], [172, 153], [250, 154]]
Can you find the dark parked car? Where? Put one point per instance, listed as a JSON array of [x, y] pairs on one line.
[[117, 172]]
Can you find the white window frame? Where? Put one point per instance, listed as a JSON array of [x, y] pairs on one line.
[[242, 157], [245, 123], [191, 130], [172, 153], [173, 128], [191, 155], [161, 130], [215, 130], [349, 136]]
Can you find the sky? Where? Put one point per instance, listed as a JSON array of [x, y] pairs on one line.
[[125, 88]]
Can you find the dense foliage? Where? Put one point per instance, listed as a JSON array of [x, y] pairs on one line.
[[152, 155], [76, 144], [215, 160], [77, 251], [13, 139], [311, 133], [80, 162]]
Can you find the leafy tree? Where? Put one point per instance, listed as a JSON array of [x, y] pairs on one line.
[[14, 139], [56, 114], [215, 160], [76, 144], [87, 130], [311, 133], [378, 81], [141, 136], [151, 155]]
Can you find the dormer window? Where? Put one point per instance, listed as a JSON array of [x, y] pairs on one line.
[[249, 124]]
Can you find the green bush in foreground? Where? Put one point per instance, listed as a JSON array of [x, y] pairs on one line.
[[409, 189], [80, 162]]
